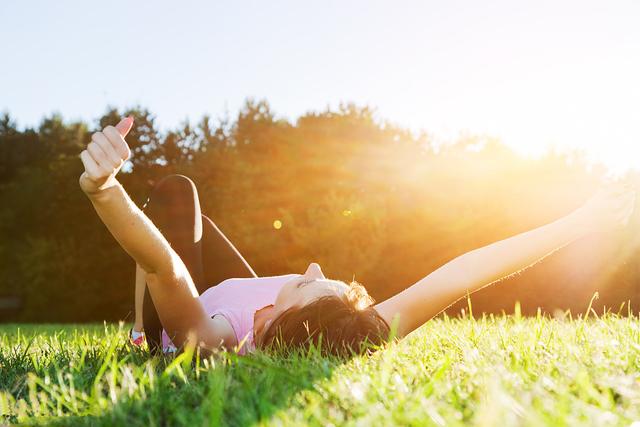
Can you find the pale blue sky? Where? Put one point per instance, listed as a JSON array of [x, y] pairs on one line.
[[531, 73]]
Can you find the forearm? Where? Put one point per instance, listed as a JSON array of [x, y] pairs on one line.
[[498, 260], [171, 288], [137, 235]]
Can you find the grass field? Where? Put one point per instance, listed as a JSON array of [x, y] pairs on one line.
[[493, 371]]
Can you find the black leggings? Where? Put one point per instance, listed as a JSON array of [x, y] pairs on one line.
[[210, 257]]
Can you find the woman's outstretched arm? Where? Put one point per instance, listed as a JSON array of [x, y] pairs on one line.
[[481, 267], [170, 284]]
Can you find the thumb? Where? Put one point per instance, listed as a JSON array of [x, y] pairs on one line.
[[125, 125]]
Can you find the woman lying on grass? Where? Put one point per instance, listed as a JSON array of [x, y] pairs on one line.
[[198, 285]]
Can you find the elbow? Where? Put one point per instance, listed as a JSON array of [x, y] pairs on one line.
[[171, 274], [167, 264]]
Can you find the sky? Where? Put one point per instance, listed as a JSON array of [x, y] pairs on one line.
[[534, 74]]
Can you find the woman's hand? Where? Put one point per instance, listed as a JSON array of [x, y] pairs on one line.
[[609, 208], [104, 156]]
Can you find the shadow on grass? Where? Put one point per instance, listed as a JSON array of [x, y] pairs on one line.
[[235, 391]]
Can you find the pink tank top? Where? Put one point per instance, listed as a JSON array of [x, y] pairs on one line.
[[237, 300]]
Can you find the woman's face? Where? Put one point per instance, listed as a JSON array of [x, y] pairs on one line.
[[306, 288]]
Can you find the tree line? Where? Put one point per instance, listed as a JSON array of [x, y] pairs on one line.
[[365, 198]]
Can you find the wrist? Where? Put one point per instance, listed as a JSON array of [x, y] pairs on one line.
[[102, 192], [582, 221]]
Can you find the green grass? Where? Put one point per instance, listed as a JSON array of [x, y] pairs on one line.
[[493, 371]]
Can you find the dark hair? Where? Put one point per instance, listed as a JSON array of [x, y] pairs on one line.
[[338, 325]]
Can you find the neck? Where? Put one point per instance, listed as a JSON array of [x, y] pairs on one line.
[[260, 318]]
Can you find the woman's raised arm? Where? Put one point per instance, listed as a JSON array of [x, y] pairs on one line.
[[170, 285], [467, 273], [103, 158]]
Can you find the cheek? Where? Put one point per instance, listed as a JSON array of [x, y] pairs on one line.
[[283, 300]]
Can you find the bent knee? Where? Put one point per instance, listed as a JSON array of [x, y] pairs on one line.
[[174, 184], [173, 181]]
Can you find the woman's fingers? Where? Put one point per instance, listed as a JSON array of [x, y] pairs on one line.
[[100, 157], [106, 146], [117, 142], [90, 165]]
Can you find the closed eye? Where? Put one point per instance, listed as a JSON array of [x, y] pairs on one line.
[[301, 284]]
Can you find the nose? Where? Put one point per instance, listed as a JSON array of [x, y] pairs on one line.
[[314, 271]]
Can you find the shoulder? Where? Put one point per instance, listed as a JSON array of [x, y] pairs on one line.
[[225, 331]]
